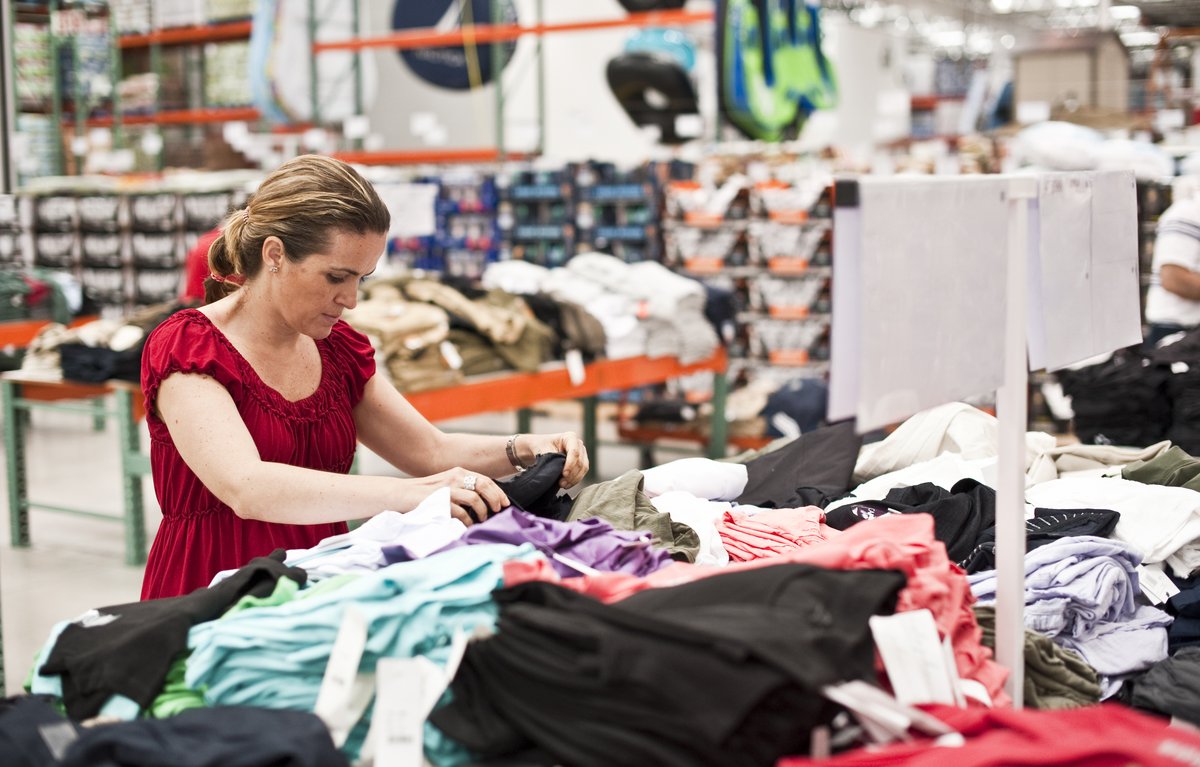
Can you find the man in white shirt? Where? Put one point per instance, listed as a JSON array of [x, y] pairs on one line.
[[1173, 300]]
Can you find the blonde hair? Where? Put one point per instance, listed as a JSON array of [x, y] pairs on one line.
[[303, 202]]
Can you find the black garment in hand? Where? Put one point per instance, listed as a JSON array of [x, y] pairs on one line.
[[536, 489], [1170, 687], [812, 470], [725, 670], [131, 653], [226, 736], [1046, 526], [31, 730]]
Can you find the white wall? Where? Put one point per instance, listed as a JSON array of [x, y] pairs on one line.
[[872, 96]]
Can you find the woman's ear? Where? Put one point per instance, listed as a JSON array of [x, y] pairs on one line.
[[273, 254]]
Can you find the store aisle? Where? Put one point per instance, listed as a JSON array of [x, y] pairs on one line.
[[77, 563]]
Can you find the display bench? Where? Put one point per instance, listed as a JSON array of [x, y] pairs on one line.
[[21, 393]]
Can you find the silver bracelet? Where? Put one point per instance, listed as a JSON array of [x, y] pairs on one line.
[[513, 458]]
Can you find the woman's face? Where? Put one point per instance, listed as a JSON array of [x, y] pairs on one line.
[[313, 293]]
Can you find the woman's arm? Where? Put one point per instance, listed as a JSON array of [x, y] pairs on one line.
[[211, 437], [393, 429]]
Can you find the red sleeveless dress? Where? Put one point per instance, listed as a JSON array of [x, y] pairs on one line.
[[200, 535]]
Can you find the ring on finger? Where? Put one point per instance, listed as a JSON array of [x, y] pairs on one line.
[[468, 482]]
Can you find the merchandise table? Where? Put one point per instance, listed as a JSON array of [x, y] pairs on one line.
[[21, 393]]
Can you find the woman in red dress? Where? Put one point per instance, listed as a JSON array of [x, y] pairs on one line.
[[256, 400]]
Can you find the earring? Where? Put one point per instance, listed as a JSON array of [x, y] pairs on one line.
[[274, 269]]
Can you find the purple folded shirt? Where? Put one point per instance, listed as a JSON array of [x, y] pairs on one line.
[[592, 542]]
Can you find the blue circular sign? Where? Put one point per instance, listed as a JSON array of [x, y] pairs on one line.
[[455, 67]]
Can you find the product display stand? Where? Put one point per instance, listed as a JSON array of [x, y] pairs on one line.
[[1011, 404], [904, 342]]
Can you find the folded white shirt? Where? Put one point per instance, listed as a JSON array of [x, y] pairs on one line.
[[701, 477]]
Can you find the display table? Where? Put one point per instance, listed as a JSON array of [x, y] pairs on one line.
[[21, 393]]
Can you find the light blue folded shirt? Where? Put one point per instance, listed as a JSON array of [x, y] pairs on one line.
[[1082, 592], [276, 656]]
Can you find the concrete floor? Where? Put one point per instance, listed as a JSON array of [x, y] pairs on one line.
[[77, 563]]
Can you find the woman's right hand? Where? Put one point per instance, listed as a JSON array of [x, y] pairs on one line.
[[473, 497]]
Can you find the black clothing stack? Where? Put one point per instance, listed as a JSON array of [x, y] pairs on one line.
[[1123, 401], [726, 670], [1179, 364]]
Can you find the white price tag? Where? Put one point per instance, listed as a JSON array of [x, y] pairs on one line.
[[345, 693], [458, 647], [450, 354], [1155, 584], [915, 658], [400, 710], [575, 367]]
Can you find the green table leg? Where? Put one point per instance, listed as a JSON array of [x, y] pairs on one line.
[[524, 420], [590, 442], [134, 465], [99, 412], [646, 456], [14, 448], [719, 436]]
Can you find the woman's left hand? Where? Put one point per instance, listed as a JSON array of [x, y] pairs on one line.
[[569, 444]]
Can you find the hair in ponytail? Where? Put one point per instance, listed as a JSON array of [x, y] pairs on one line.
[[303, 203]]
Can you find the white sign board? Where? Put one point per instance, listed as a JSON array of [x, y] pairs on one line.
[[919, 302], [1083, 276]]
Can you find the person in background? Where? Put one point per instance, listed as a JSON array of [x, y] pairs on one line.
[[1173, 299], [256, 400], [195, 269]]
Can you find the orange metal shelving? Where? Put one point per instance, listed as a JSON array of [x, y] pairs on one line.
[[480, 34], [205, 33]]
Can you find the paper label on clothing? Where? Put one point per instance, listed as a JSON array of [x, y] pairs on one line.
[[1155, 584], [341, 687], [400, 711], [58, 737], [975, 691], [884, 718], [914, 658], [575, 368], [94, 618], [458, 648], [450, 354]]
